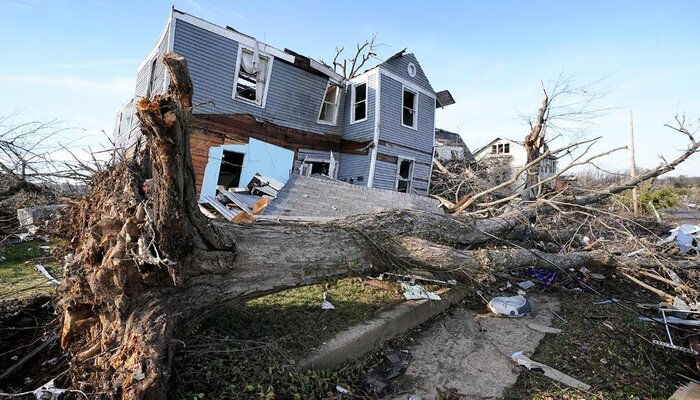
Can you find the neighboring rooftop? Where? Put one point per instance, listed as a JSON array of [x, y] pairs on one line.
[[318, 196], [447, 138]]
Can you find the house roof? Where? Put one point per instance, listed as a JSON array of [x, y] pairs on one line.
[[297, 59], [447, 138], [319, 196], [487, 145]]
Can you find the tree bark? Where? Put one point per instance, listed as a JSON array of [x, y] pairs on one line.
[[534, 142], [148, 266]]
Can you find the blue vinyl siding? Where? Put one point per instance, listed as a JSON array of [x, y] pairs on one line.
[[354, 166], [294, 96], [361, 131], [385, 172], [391, 129], [399, 66]]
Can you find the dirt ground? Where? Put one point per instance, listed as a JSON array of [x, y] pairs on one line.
[[469, 353]]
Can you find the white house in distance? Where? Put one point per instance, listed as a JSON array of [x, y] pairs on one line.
[[502, 158]]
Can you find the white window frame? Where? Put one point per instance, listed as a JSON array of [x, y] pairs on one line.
[[352, 102], [405, 88], [410, 178], [337, 105], [234, 93]]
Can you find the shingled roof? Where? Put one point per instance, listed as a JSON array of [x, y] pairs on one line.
[[318, 196]]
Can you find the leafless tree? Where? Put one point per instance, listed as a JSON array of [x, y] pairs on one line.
[[352, 66]]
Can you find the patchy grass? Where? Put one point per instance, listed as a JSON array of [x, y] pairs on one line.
[[19, 277], [607, 347], [249, 351]]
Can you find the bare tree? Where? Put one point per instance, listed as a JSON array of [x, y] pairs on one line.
[[148, 265], [352, 66]]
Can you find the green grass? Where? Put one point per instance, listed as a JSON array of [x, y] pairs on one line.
[[619, 363], [19, 277], [248, 351]]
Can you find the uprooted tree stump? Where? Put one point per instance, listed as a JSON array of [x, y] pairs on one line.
[[148, 266]]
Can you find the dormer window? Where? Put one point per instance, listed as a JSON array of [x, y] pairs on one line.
[[329, 107], [408, 117], [359, 102], [250, 84]]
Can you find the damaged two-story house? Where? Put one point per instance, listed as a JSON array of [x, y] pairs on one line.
[[264, 111]]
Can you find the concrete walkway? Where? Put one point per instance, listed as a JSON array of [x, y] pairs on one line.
[[471, 353]]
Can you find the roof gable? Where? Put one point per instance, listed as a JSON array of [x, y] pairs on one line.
[[398, 65]]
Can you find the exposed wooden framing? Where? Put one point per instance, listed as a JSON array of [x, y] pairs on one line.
[[244, 126], [387, 158], [400, 146]]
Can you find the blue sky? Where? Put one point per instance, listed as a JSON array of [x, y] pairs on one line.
[[75, 61]]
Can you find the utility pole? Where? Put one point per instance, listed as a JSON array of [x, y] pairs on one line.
[[633, 172]]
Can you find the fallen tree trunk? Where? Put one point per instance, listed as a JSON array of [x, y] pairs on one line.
[[148, 266]]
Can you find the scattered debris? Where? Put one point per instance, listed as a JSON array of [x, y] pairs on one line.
[[514, 306], [560, 317], [609, 301], [417, 292], [544, 275], [549, 372], [394, 365], [525, 285], [597, 276], [46, 273], [342, 390], [543, 328], [686, 236], [327, 304]]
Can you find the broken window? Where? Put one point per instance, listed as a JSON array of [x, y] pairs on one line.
[[251, 78], [359, 105], [329, 108], [404, 176], [409, 108], [230, 170], [494, 149], [309, 168], [506, 148], [151, 78]]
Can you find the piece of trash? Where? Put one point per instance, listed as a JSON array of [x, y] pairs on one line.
[[549, 372], [342, 390], [584, 270], [687, 237], [416, 292], [609, 301], [49, 391], [514, 306], [603, 361], [525, 285], [46, 273], [692, 205], [597, 276], [327, 304], [586, 240], [544, 275], [543, 328], [521, 292], [138, 375], [636, 253]]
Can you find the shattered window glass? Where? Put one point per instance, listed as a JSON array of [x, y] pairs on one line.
[[405, 176]]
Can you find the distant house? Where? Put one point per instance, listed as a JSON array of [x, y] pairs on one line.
[[501, 158], [261, 110], [449, 146]]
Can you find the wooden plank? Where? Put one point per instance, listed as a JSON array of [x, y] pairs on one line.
[[261, 204], [237, 201], [387, 158], [222, 209], [391, 144], [245, 126], [691, 391]]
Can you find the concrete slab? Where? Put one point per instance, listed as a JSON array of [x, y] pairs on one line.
[[361, 339], [470, 353]]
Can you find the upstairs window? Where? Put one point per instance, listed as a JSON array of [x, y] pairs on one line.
[[408, 118], [329, 107], [501, 148], [251, 77], [151, 78], [359, 102]]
